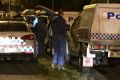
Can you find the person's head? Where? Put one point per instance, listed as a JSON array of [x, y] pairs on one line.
[[60, 12]]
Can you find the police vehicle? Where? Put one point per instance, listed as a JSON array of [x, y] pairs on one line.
[[31, 16], [17, 41], [96, 34]]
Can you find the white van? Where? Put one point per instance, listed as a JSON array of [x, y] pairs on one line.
[[97, 34]]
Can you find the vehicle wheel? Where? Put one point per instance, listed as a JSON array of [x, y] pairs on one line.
[[82, 52], [105, 58], [80, 63], [80, 58]]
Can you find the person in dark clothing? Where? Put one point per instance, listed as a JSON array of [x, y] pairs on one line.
[[40, 33], [59, 34]]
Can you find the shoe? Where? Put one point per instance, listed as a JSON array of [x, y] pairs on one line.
[[53, 66], [61, 68]]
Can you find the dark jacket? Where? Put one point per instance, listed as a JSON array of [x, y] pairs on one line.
[[59, 26], [40, 27]]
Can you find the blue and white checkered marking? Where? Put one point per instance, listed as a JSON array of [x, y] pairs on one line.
[[27, 49], [104, 36]]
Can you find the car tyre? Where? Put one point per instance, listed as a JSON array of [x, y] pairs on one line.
[[80, 58]]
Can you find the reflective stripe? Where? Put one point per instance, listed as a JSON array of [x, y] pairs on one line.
[[104, 36], [11, 41], [27, 49]]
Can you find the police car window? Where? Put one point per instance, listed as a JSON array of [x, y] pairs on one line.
[[76, 22], [13, 27], [87, 17]]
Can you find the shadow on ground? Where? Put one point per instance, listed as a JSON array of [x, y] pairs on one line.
[[42, 68]]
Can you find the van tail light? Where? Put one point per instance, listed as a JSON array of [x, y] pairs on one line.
[[28, 37], [98, 47], [28, 53]]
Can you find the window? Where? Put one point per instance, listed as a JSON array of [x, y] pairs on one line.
[[87, 18], [13, 27], [76, 22]]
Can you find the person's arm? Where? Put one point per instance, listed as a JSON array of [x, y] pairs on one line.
[[66, 26]]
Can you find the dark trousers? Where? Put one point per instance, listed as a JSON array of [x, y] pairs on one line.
[[41, 43], [59, 47]]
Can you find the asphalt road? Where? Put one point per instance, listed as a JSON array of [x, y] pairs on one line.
[[20, 71], [106, 72], [42, 71], [111, 72]]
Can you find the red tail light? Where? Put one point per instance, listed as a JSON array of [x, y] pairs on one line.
[[27, 37], [98, 47], [28, 52]]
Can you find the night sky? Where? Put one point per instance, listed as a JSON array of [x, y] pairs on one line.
[[73, 5], [67, 5]]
